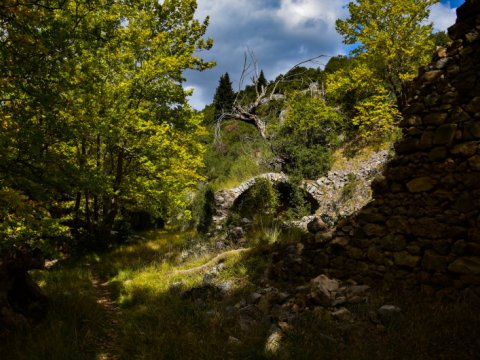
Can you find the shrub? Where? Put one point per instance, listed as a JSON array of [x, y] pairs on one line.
[[306, 138], [260, 202]]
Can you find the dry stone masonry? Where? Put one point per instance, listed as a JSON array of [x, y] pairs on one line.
[[327, 191], [423, 226]]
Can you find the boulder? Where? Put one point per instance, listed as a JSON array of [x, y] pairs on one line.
[[387, 313], [316, 225], [323, 290]]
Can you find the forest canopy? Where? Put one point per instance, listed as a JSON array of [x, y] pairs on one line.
[[94, 120]]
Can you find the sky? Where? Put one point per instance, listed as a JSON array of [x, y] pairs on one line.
[[281, 33]]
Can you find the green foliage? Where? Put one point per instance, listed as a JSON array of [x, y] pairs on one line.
[[392, 37], [336, 63], [297, 203], [224, 97], [299, 78], [305, 139], [26, 222], [350, 187], [93, 110], [240, 155], [260, 201], [365, 101], [204, 208], [441, 38], [377, 118]]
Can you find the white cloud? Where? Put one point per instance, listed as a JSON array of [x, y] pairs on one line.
[[305, 14], [281, 33], [442, 16]]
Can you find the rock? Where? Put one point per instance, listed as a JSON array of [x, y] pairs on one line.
[[322, 237], [236, 233], [433, 261], [339, 300], [387, 313], [357, 291], [421, 184], [272, 344], [474, 162], [316, 225], [323, 290], [405, 259], [465, 203], [255, 297], [284, 326], [474, 106], [445, 134], [436, 118], [431, 76], [466, 265], [466, 149], [234, 341], [203, 292], [246, 323], [343, 314], [374, 229], [340, 241]]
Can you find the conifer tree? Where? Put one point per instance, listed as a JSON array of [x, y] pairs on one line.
[[224, 96], [261, 81]]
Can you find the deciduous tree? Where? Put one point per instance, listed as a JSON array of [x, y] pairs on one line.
[[392, 37], [93, 111]]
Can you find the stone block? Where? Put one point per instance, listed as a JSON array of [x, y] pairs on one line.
[[434, 262], [445, 134], [436, 118], [466, 265], [405, 259], [431, 76], [466, 149], [421, 184], [473, 106], [474, 162]]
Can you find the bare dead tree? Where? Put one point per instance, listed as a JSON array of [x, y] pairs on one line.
[[247, 112]]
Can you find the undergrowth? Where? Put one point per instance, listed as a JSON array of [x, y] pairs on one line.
[[156, 322]]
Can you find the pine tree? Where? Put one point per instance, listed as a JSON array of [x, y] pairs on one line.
[[224, 96], [261, 82]]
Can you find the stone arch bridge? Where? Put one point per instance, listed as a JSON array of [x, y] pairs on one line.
[[323, 191]]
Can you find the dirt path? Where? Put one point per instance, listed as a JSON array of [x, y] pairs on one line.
[[108, 346]]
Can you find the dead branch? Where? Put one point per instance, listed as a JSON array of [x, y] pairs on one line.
[[248, 112]]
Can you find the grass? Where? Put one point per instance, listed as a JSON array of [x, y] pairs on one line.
[[155, 322]]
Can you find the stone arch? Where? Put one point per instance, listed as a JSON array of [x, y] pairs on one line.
[[226, 199], [284, 188]]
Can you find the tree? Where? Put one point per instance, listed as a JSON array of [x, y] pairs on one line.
[[261, 82], [391, 37], [224, 96], [305, 140], [94, 116], [365, 101]]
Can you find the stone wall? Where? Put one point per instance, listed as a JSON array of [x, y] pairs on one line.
[[423, 226]]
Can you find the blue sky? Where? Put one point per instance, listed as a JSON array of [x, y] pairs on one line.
[[281, 33]]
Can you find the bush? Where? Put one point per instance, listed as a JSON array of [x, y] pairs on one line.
[[260, 203], [203, 208], [305, 140]]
